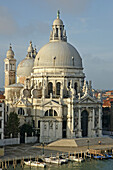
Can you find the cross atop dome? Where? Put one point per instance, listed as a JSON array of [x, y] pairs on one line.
[[58, 14]]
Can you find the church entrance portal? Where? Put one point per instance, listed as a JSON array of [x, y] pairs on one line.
[[84, 123]]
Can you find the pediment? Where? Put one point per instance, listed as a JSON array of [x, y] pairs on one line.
[[51, 103], [87, 99], [23, 102]]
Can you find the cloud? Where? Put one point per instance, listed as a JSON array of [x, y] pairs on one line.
[[70, 6], [8, 25]]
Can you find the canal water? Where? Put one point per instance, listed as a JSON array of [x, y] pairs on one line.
[[87, 165]]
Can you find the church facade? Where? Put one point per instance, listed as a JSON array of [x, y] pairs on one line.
[[51, 92]]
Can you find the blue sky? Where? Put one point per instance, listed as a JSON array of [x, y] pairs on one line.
[[89, 26]]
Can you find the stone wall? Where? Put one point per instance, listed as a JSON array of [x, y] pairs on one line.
[[10, 141], [32, 139]]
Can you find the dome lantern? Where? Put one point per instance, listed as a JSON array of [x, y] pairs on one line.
[[58, 32], [30, 50]]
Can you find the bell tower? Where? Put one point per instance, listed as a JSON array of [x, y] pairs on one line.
[[10, 67]]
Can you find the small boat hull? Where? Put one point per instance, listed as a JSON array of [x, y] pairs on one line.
[[54, 161], [75, 159], [35, 163]]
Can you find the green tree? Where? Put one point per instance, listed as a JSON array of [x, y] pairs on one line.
[[26, 128], [12, 126]]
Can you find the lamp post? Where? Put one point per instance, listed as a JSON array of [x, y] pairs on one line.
[[43, 147], [88, 143]]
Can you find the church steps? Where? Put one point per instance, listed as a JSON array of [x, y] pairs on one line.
[[81, 142]]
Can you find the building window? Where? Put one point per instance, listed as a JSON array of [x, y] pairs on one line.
[[75, 87], [55, 113], [0, 136], [56, 35], [69, 85], [13, 67], [0, 123], [7, 108], [50, 88], [21, 111], [58, 85], [51, 124], [0, 113], [44, 126], [56, 125], [51, 112], [33, 124], [46, 113], [0, 105], [10, 66], [6, 67], [39, 124]]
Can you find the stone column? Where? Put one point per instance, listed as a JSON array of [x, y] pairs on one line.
[[2, 134], [69, 121], [79, 122], [73, 129], [61, 90], [54, 130], [43, 92], [89, 125], [41, 132], [93, 122], [100, 121]]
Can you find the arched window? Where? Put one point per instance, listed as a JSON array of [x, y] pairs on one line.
[[51, 112], [55, 113], [46, 113], [50, 88], [21, 111], [75, 87], [69, 84], [58, 85]]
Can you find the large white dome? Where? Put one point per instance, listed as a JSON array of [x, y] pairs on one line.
[[58, 53]]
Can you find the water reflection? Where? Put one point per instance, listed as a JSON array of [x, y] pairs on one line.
[[87, 165]]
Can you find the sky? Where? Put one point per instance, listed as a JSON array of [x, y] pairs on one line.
[[89, 27]]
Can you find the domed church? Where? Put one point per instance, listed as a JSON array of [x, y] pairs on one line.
[[49, 91]]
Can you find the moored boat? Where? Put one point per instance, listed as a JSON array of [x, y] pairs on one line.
[[54, 160], [35, 163], [74, 158], [101, 157], [109, 156]]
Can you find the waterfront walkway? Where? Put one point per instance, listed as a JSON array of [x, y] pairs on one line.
[[33, 150]]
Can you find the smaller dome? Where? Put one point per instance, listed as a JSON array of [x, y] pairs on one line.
[[57, 22], [10, 53], [25, 67]]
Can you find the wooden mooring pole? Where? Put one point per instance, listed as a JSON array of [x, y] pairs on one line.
[[5, 165]]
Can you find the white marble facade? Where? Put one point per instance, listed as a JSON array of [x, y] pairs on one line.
[[51, 92]]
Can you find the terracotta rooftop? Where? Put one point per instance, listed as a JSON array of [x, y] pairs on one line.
[[106, 103], [2, 96]]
